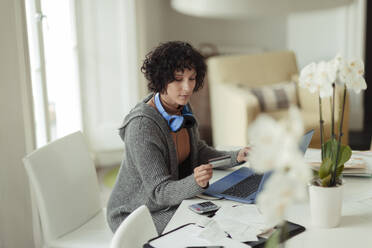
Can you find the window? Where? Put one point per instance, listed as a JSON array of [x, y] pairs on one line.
[[54, 68], [84, 70]]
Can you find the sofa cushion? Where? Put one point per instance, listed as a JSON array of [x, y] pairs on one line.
[[276, 96]]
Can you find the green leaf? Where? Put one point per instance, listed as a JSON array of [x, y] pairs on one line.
[[339, 171], [330, 153], [273, 241], [325, 168], [344, 156], [330, 149], [326, 181]]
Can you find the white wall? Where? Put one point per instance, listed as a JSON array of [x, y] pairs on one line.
[[16, 135], [151, 22], [317, 35], [162, 23], [320, 35], [259, 34]]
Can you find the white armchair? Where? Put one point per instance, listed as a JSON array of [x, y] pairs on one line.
[[234, 107]]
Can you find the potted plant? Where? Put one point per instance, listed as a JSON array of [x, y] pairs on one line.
[[326, 188]]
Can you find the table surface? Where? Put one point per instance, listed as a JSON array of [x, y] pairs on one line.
[[355, 229]]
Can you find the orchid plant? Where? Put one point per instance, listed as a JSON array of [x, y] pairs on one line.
[[322, 79], [275, 149]]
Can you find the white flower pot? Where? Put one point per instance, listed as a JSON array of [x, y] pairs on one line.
[[325, 205]]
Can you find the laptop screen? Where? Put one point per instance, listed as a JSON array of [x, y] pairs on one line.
[[305, 140]]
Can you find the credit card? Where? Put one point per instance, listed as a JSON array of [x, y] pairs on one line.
[[220, 161]]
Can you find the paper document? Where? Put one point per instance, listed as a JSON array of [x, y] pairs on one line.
[[242, 223], [212, 232], [248, 214], [191, 235], [239, 231], [215, 229]]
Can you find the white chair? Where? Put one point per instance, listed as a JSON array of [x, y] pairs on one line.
[[64, 179], [135, 230]]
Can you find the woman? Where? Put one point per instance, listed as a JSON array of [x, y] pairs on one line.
[[165, 161]]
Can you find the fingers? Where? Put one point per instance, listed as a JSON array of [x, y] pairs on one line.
[[246, 150], [204, 167], [203, 174], [243, 153]]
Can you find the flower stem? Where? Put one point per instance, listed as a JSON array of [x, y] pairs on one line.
[[333, 110], [321, 128], [333, 179]]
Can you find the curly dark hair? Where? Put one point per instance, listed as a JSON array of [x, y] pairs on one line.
[[161, 63]]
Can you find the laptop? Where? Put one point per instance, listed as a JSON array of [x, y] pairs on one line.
[[243, 185]]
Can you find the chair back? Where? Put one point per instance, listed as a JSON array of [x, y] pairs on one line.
[[135, 230], [252, 70], [64, 179]]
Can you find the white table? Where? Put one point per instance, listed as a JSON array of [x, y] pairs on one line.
[[355, 229]]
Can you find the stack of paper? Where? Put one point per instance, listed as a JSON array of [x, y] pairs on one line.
[[242, 223], [192, 235]]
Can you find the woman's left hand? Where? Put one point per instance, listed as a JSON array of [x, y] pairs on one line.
[[243, 153]]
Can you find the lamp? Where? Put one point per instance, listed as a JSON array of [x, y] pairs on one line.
[[235, 9]]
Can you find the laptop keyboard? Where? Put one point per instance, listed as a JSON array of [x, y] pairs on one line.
[[245, 187]]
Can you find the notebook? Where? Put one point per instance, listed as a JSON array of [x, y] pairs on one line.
[[243, 185]]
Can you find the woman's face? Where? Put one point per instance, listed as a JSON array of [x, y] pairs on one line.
[[179, 91]]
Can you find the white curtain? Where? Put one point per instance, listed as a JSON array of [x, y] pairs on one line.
[[108, 72]]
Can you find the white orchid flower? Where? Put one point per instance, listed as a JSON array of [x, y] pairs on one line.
[[351, 73], [274, 143], [298, 169], [284, 151], [279, 192], [307, 77], [294, 124], [275, 148], [324, 78], [266, 136], [335, 65], [319, 77], [337, 60], [345, 73], [357, 83], [357, 66], [330, 69], [325, 90]]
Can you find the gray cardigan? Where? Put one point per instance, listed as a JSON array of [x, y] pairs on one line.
[[149, 173]]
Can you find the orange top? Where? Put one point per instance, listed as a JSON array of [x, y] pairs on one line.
[[181, 138]]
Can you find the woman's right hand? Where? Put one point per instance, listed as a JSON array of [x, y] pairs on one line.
[[202, 174]]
